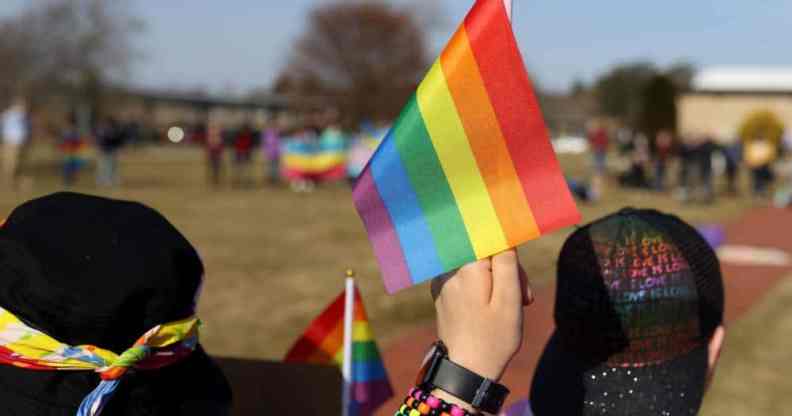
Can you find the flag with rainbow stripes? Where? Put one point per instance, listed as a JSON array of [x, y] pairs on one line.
[[341, 335], [467, 170]]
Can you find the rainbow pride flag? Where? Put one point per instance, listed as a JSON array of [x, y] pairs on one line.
[[341, 335], [467, 170]]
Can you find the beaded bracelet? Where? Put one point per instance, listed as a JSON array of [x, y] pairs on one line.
[[421, 403]]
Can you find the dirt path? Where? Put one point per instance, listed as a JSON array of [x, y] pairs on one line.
[[745, 286]]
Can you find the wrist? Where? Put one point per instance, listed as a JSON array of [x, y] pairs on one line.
[[479, 363], [470, 383]]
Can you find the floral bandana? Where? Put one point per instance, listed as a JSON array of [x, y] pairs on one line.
[[25, 347]]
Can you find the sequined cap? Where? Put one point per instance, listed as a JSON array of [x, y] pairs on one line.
[[639, 295]]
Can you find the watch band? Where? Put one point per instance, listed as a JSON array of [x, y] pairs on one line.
[[482, 393]]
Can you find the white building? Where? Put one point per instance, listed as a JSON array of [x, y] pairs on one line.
[[721, 98]]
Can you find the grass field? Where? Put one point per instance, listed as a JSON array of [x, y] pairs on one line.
[[274, 259], [753, 376]]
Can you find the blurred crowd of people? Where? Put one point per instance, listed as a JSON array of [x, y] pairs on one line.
[[697, 168], [301, 155], [316, 150], [107, 136]]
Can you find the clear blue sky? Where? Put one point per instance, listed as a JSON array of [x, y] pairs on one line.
[[240, 44]]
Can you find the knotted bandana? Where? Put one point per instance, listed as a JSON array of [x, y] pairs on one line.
[[26, 347]]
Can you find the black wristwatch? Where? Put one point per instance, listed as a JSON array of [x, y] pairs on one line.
[[438, 372]]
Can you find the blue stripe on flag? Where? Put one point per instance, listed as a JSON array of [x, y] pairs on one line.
[[400, 199], [365, 371]]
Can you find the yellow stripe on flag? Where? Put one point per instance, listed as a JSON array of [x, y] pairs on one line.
[[361, 332], [456, 157], [339, 357], [313, 164]]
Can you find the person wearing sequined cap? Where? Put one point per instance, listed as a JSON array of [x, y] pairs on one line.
[[638, 313], [97, 313]]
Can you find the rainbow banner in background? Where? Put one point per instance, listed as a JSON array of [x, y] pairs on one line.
[[320, 159], [467, 170], [366, 382]]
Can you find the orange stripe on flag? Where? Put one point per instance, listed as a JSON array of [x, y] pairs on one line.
[[329, 347], [486, 140]]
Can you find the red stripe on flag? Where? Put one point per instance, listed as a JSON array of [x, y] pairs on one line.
[[307, 347], [360, 310], [519, 115]]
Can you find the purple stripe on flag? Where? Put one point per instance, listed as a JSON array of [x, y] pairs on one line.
[[372, 391], [382, 233], [370, 396]]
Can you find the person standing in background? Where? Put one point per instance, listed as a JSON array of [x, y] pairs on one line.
[[783, 196], [71, 146], [271, 149], [599, 142], [243, 150], [760, 154], [732, 154], [704, 152], [664, 145], [110, 138], [214, 151], [685, 152], [15, 131]]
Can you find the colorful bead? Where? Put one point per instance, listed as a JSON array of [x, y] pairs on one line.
[[457, 411], [433, 402], [421, 403]]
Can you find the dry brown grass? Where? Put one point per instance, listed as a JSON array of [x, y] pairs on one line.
[[274, 259], [753, 376]]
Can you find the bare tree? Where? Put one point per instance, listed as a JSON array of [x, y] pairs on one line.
[[367, 57], [66, 46]]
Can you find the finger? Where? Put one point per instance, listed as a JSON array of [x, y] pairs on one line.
[[439, 282], [475, 281], [525, 285], [506, 288]]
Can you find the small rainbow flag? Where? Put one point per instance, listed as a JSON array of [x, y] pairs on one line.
[[341, 335], [467, 170]]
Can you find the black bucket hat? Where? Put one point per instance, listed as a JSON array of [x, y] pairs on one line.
[[639, 296], [90, 270]]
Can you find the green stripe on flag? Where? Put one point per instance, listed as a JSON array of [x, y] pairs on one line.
[[431, 186], [365, 351]]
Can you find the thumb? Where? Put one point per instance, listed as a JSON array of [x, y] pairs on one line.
[[506, 287]]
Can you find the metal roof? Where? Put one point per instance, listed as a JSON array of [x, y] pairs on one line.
[[744, 79]]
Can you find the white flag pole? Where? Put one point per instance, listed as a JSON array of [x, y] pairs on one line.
[[508, 4], [349, 315]]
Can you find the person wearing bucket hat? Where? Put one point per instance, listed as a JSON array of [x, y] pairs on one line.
[[638, 312], [97, 313]]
